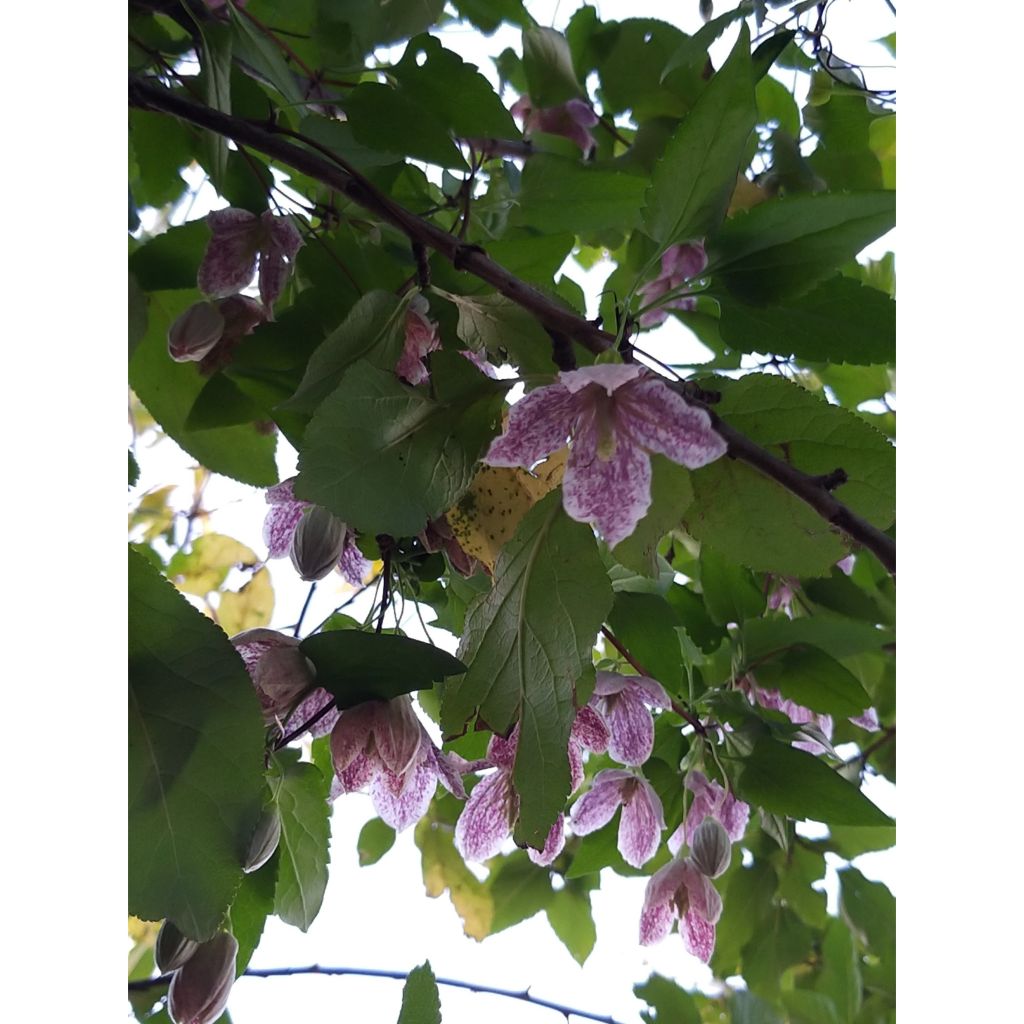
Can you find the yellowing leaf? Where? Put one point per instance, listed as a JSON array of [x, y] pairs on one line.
[[443, 868], [489, 512], [746, 195], [250, 607], [153, 513], [206, 566], [143, 934], [882, 140]]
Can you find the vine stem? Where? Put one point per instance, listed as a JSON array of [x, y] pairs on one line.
[[284, 972], [334, 172]]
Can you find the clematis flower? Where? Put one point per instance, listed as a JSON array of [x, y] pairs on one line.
[[679, 264], [616, 414], [284, 679], [623, 702], [421, 338], [383, 745], [240, 239], [710, 800], [281, 529], [642, 821], [680, 891], [571, 120], [438, 536], [207, 332]]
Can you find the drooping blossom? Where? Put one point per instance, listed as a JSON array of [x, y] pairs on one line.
[[571, 120], [208, 332], [438, 536], [200, 988], [681, 891], [492, 809], [421, 338], [642, 821], [710, 800], [616, 415], [623, 702], [383, 745], [679, 264], [284, 680], [241, 240], [282, 523]]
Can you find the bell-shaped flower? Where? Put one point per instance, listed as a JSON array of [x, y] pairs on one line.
[[421, 338], [623, 702], [241, 240], [200, 987], [208, 332], [572, 120], [710, 800], [615, 414], [642, 821], [383, 745], [281, 527], [681, 891], [284, 681], [679, 264]]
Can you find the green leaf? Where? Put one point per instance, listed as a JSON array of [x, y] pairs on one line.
[[780, 248], [571, 919], [694, 49], [806, 1007], [500, 327], [547, 63], [527, 642], [882, 139], [357, 667], [747, 901], [487, 15], [812, 678], [221, 403], [138, 316], [871, 909], [169, 390], [842, 638], [730, 593], [262, 53], [746, 1008], [780, 941], [840, 321], [519, 890], [161, 147], [195, 758], [133, 470], [694, 180], [171, 260], [644, 623], [252, 905], [840, 978], [850, 842], [799, 869], [421, 1003], [300, 792], [215, 58], [375, 839], [671, 1004], [844, 156], [792, 782], [385, 458]]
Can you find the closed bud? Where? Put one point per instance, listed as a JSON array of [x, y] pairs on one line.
[[711, 849], [200, 988], [172, 948], [317, 543], [281, 676], [195, 332], [264, 840]]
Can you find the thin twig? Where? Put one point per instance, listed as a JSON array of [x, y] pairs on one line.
[[305, 727], [305, 608]]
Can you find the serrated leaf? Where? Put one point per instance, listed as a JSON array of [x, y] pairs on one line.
[[252, 905], [571, 919], [692, 183], [300, 792], [671, 1004], [527, 643], [376, 837], [421, 1003], [746, 902], [195, 758], [496, 325], [840, 637], [695, 48], [262, 53], [221, 403]]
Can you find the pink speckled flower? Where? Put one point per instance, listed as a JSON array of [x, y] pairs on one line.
[[616, 414], [642, 821], [383, 744], [421, 338], [679, 264], [623, 702], [284, 680], [282, 525], [710, 800], [240, 240], [571, 120], [680, 890]]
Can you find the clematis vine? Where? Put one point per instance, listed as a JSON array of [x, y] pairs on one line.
[[241, 240], [679, 264], [316, 540], [572, 120], [284, 680], [680, 890], [642, 821], [710, 800], [615, 414], [383, 745], [421, 338], [623, 702]]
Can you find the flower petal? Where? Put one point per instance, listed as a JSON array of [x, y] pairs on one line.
[[598, 805], [640, 828], [351, 736], [502, 751], [353, 565], [868, 720], [650, 691], [662, 421], [399, 735], [309, 707], [684, 261], [421, 338], [230, 259], [589, 730], [282, 518], [553, 845], [610, 376], [357, 774], [277, 256], [698, 936], [658, 912], [401, 800], [486, 820], [538, 424], [704, 898], [449, 770], [631, 727]]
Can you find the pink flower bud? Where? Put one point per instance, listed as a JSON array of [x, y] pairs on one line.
[[317, 544], [200, 988], [711, 849], [195, 332], [172, 948]]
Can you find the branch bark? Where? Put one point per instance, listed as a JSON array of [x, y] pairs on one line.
[[337, 174]]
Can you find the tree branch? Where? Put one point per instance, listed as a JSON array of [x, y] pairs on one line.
[[367, 972], [335, 173]]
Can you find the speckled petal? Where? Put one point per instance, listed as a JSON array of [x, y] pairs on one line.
[[449, 770], [230, 259], [401, 800], [281, 242], [660, 420], [501, 751], [553, 845], [609, 683], [610, 376], [399, 735], [538, 424], [631, 729], [351, 735], [421, 338], [658, 912], [576, 772], [650, 691], [486, 820], [642, 823], [734, 815], [282, 518], [353, 565], [698, 936], [868, 720], [309, 707], [357, 774], [589, 730], [597, 806]]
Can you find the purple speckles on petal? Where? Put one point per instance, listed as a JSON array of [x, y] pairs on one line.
[[281, 242], [421, 338], [486, 820], [402, 800], [642, 823], [597, 806], [698, 936], [631, 729], [538, 424], [553, 845], [229, 263], [354, 567], [590, 731]]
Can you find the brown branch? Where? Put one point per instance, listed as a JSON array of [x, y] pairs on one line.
[[335, 173]]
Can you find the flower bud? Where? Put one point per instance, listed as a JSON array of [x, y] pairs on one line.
[[317, 544], [195, 332], [200, 988], [264, 840], [281, 676], [711, 849], [172, 948]]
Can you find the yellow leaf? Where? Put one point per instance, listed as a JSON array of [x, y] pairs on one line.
[[252, 606], [207, 565], [143, 934], [153, 513], [443, 868], [488, 513], [746, 195]]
